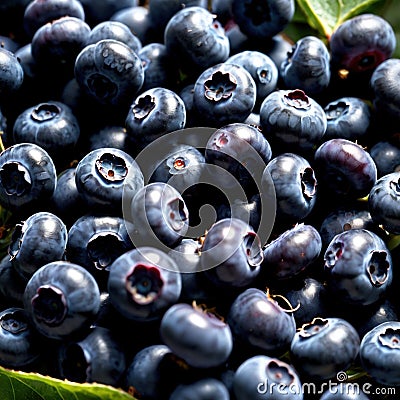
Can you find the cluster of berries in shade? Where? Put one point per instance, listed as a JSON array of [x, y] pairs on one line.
[[86, 87]]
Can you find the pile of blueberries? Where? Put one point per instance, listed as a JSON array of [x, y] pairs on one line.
[[110, 270]]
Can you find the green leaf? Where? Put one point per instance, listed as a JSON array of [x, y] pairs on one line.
[[326, 15], [22, 385]]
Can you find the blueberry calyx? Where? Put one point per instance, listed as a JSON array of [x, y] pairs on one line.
[[314, 327], [177, 165], [258, 11], [177, 214], [14, 322], [111, 167], [278, 372], [75, 364], [143, 107], [335, 111], [45, 112], [264, 76], [333, 254], [220, 86], [308, 182], [217, 27], [15, 179], [221, 141], [254, 252], [378, 268], [49, 305], [367, 61], [395, 186], [103, 248], [101, 86], [390, 338], [297, 99], [144, 283]]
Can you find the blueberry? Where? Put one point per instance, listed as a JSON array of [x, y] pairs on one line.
[[114, 30], [223, 94], [11, 74], [384, 202], [262, 19], [38, 13], [240, 149], [98, 357], [154, 113], [196, 39], [12, 285], [345, 168], [20, 344], [95, 241], [202, 389], [137, 19], [67, 203], [27, 176], [384, 85], [109, 136], [50, 125], [293, 119], [161, 11], [344, 218], [361, 43], [379, 353], [308, 298], [358, 267], [243, 209], [97, 11], [261, 68], [57, 43], [262, 377], [187, 96], [181, 168], [9, 43], [291, 252], [194, 282], [295, 186], [143, 283], [62, 299], [161, 213], [28, 64], [199, 337], [40, 239], [158, 67], [104, 174], [370, 317], [231, 253], [348, 118], [146, 374], [110, 72], [317, 352], [307, 66], [386, 156], [257, 320]]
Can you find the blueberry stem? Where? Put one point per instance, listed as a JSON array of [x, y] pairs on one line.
[[355, 374]]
